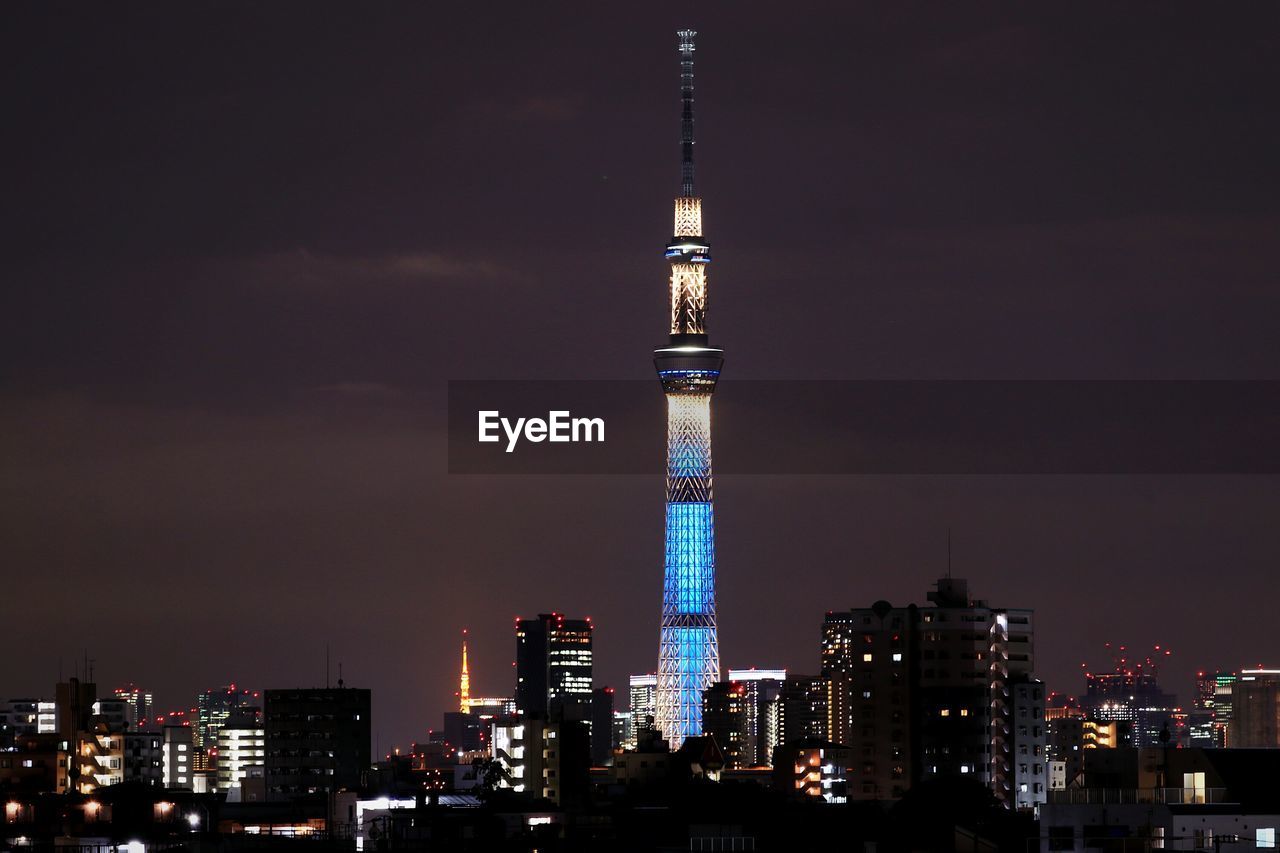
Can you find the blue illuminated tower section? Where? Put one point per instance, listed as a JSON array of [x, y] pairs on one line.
[[688, 650]]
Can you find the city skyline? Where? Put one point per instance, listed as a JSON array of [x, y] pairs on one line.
[[235, 291]]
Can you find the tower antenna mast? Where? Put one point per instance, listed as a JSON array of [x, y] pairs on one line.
[[686, 112]]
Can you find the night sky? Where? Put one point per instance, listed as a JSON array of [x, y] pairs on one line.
[[245, 246]]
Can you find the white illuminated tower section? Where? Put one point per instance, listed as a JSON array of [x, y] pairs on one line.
[[688, 650]]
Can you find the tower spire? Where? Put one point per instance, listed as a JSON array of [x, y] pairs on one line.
[[464, 683], [686, 113]]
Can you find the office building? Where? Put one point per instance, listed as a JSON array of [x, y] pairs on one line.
[[1255, 710], [802, 709], [763, 686], [621, 729], [602, 742], [553, 667], [644, 707], [726, 717], [214, 707], [139, 702]]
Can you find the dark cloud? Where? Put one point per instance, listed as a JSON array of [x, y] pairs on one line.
[[245, 246]]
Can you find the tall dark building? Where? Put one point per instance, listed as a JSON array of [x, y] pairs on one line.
[[1256, 710], [871, 657], [763, 687], [465, 732], [553, 667], [726, 716], [317, 740], [802, 709], [602, 739], [919, 692]]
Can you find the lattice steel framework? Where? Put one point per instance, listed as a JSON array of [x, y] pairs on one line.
[[688, 648], [464, 682], [688, 299]]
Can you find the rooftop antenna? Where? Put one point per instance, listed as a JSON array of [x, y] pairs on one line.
[[326, 666], [339, 674], [686, 113], [948, 553]]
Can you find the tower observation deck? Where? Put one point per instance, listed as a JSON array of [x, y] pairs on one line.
[[688, 648]]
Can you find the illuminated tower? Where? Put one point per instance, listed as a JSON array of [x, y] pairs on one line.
[[464, 684], [688, 650]]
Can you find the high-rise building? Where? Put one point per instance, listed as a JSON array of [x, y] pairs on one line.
[[553, 667], [1022, 752], [644, 707], [1130, 692], [1223, 689], [920, 692], [621, 729], [317, 740], [1206, 691], [688, 647], [1255, 710], [601, 726], [214, 706], [464, 732], [802, 710], [139, 703], [763, 687], [725, 716]]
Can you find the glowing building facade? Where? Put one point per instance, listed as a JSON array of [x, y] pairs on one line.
[[688, 649]]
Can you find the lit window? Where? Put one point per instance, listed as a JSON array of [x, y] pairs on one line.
[[897, 657], [866, 658], [945, 712], [1266, 837]]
